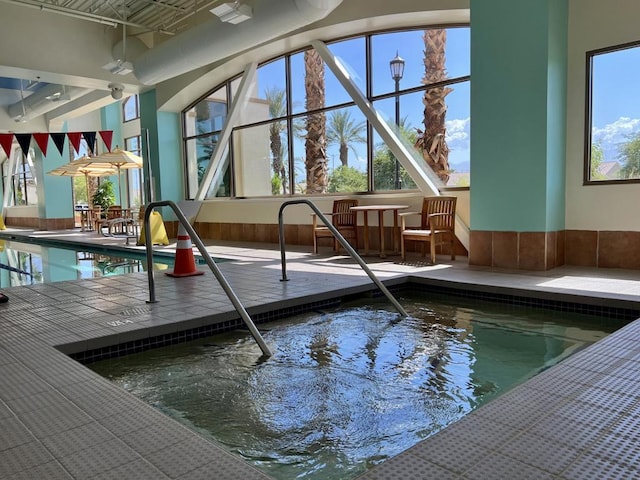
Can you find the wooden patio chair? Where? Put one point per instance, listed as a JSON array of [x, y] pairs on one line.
[[344, 219], [437, 226]]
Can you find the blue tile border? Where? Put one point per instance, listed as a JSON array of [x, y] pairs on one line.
[[618, 316]]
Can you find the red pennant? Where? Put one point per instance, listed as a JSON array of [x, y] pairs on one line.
[[107, 138], [6, 139], [75, 138], [42, 139]]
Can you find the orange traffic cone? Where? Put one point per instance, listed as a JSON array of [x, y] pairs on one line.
[[185, 264]]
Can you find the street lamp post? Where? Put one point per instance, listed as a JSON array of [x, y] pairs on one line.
[[397, 70]]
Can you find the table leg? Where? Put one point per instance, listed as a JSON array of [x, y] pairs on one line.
[[396, 232], [381, 232], [366, 232]]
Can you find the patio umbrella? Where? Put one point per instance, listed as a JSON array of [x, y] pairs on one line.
[[117, 158], [80, 168]]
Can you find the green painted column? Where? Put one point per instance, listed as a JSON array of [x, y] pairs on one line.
[[164, 147], [55, 193], [518, 111]]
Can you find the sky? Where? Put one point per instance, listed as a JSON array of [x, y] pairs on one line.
[[409, 45], [616, 99]]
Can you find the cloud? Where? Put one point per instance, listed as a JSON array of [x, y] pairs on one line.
[[458, 133], [612, 135]]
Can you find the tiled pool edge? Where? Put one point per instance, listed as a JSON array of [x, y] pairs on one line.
[[266, 313], [563, 423], [192, 457]]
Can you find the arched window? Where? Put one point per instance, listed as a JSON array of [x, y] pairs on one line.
[[302, 131]]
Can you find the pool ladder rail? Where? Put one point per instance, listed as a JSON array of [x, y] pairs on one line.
[[184, 222], [347, 246]]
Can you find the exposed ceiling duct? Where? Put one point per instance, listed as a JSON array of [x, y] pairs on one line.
[[215, 40], [42, 101]]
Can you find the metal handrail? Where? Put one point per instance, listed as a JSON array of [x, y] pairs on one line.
[[342, 241], [212, 265]]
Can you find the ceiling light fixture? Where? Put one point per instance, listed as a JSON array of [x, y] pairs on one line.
[[232, 12], [116, 90]]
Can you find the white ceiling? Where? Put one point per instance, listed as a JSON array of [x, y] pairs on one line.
[[58, 52]]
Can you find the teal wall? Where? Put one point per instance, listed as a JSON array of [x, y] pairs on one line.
[[55, 193], [518, 103], [557, 114], [164, 148]]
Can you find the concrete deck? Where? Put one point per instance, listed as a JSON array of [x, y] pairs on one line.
[[59, 420]]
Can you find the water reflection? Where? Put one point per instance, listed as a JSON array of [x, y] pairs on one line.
[[346, 389], [31, 263]]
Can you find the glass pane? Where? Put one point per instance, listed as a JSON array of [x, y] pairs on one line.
[[310, 154], [322, 83], [132, 144], [130, 108], [452, 43], [347, 150], [221, 183], [134, 177], [458, 134], [270, 99], [261, 160], [615, 118], [208, 115], [199, 151], [351, 54]]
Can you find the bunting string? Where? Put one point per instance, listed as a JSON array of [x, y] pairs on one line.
[[42, 140]]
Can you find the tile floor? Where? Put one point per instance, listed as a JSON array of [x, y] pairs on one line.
[[578, 420]]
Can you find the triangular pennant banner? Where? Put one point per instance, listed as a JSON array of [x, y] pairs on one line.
[[24, 140], [42, 139], [90, 138], [107, 138], [6, 139], [75, 138], [58, 139]]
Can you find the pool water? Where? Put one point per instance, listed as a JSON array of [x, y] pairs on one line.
[[348, 388], [47, 264]]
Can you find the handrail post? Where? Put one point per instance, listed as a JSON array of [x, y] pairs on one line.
[[347, 246], [212, 265]]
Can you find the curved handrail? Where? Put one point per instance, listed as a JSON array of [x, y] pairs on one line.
[[342, 241], [212, 265]]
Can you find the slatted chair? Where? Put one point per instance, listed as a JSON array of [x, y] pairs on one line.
[[437, 225], [343, 219]]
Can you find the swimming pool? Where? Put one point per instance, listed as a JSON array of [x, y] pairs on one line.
[[348, 388], [43, 263]]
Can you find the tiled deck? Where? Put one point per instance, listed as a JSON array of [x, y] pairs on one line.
[[59, 420]]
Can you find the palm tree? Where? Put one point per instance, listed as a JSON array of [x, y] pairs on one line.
[[277, 108], [316, 141], [431, 142], [344, 131]]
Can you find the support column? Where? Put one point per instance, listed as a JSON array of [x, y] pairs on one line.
[[165, 149], [518, 111]]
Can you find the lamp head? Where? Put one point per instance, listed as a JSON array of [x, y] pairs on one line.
[[397, 67], [116, 90]]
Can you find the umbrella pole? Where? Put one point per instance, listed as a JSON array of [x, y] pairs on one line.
[[119, 186], [86, 184]]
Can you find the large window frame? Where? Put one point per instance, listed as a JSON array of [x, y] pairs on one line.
[[595, 154], [291, 117]]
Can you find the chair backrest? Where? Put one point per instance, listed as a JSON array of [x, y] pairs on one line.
[[439, 204], [343, 216], [114, 211]]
